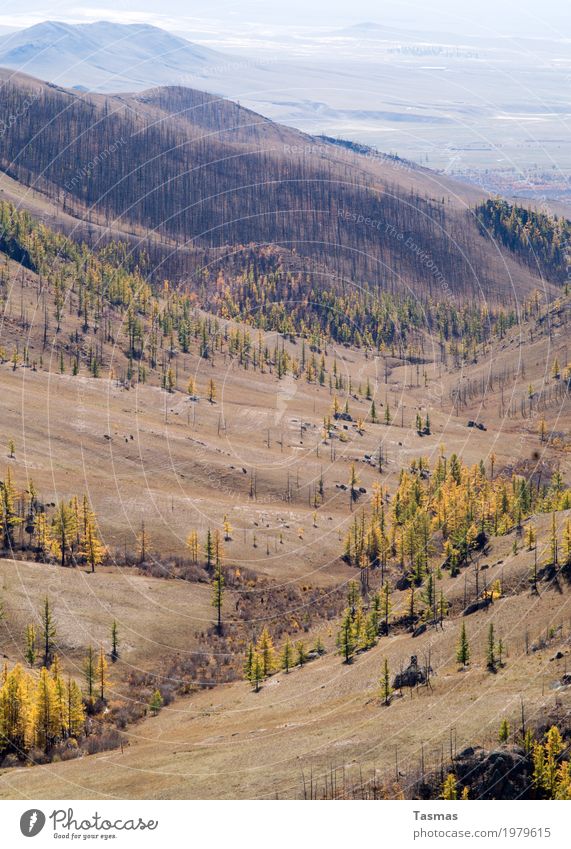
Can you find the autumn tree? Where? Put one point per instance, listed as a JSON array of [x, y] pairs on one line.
[[192, 545], [91, 546], [101, 674], [266, 651], [449, 788], [156, 702], [46, 726], [31, 652], [8, 513], [386, 689]]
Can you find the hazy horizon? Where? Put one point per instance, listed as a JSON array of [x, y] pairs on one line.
[[485, 19]]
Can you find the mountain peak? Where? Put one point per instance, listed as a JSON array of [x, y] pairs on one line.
[[106, 56]]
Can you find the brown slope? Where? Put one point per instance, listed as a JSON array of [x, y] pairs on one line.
[[196, 170]]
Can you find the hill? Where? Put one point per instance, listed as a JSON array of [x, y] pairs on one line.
[[206, 174], [106, 56], [132, 394]]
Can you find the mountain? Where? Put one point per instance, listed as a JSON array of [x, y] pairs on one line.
[[106, 56], [426, 96], [197, 171]]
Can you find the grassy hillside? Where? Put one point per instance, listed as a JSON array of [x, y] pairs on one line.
[[324, 450], [203, 172]]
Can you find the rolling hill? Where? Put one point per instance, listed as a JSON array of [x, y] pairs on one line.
[[181, 166]]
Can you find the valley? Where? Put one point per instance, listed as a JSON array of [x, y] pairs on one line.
[[271, 430]]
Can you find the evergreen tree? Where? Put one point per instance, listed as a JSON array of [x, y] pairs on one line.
[[64, 529], [346, 637], [48, 633], [300, 653], [257, 671], [385, 606], [249, 662], [89, 671], [209, 549], [114, 642], [286, 655], [504, 732], [463, 648], [217, 593]]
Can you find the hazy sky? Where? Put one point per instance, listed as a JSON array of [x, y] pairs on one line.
[[478, 17]]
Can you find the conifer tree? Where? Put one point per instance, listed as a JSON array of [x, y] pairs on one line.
[[156, 702], [449, 788], [346, 637], [89, 671], [192, 544], [463, 648], [385, 606], [31, 652], [353, 484], [249, 662], [504, 732], [45, 543], [265, 649], [101, 674], [386, 689], [91, 547], [227, 529], [75, 709], [491, 660], [64, 529], [17, 709], [114, 641], [8, 513], [286, 655], [209, 549], [553, 553], [257, 675], [217, 593], [143, 543], [301, 653], [46, 724], [48, 633]]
